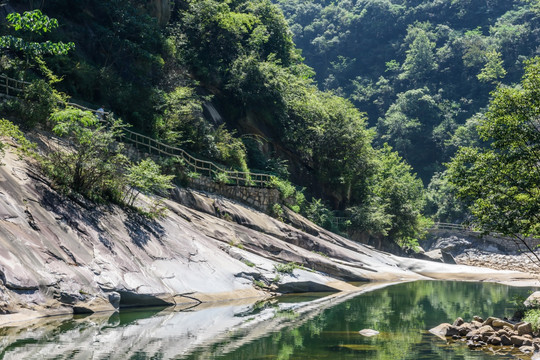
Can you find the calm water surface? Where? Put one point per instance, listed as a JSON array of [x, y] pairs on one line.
[[292, 327]]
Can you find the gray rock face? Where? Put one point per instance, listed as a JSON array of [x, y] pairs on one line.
[[60, 255], [161, 9], [451, 244], [437, 255]]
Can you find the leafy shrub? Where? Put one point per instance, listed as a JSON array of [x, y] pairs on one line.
[[277, 212], [287, 268], [286, 189], [260, 284], [248, 263], [533, 316], [222, 178], [230, 150], [320, 214], [146, 178], [95, 166], [38, 102], [278, 166], [181, 121], [193, 175], [12, 131]]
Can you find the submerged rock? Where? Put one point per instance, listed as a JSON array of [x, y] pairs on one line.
[[491, 333], [368, 332], [527, 349]]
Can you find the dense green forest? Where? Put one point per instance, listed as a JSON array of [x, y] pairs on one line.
[[419, 69], [411, 76]]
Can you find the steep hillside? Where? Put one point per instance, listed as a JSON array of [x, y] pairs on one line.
[[420, 69], [232, 89], [60, 255]]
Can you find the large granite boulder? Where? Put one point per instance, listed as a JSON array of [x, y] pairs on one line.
[[533, 300]]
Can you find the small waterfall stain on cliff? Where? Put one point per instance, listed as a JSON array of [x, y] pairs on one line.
[[210, 111]]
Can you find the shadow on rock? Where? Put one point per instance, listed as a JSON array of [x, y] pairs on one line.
[[142, 229]]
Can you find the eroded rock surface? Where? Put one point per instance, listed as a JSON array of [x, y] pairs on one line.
[[66, 255]]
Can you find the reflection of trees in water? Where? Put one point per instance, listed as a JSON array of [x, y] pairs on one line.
[[465, 299], [402, 313], [458, 350], [327, 329]]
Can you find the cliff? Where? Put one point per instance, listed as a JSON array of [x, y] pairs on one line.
[[62, 255]]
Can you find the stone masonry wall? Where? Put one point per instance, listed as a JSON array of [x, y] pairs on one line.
[[259, 198]]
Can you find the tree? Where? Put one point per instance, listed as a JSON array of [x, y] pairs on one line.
[[394, 205], [420, 60], [146, 178], [182, 122], [494, 70], [94, 165], [442, 203], [31, 25], [501, 181], [92, 162], [408, 127]]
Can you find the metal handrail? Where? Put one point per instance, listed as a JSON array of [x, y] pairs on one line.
[[204, 167], [450, 226]]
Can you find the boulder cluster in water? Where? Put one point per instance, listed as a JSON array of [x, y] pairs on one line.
[[493, 331]]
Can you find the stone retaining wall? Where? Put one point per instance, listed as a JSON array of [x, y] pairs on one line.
[[259, 198]]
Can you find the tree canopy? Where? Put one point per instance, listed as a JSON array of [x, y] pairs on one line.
[[501, 180]]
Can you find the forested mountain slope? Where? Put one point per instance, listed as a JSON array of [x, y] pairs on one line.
[[167, 71], [419, 69]]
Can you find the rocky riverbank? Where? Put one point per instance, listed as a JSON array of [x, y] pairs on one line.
[[482, 251], [523, 262], [495, 335]]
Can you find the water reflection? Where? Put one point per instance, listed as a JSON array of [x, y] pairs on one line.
[[303, 327]]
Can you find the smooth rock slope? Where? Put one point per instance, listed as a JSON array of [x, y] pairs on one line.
[[60, 255]]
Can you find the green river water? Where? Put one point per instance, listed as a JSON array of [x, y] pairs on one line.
[[309, 326]]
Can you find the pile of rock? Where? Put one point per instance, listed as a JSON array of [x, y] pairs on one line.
[[475, 257], [491, 332]]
